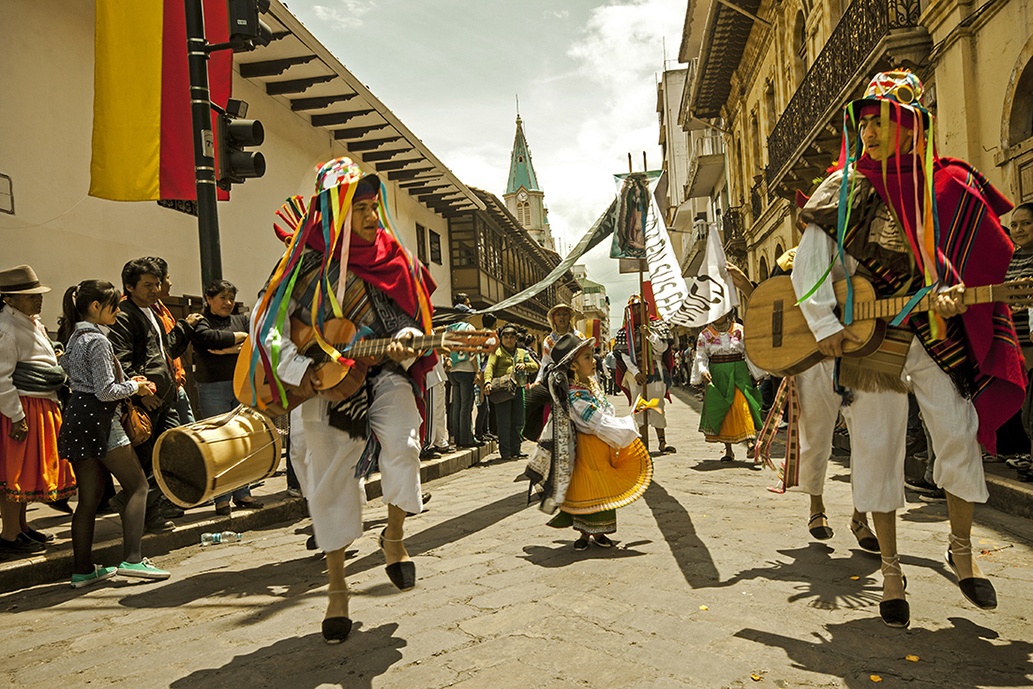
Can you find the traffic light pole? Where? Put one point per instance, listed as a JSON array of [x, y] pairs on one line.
[[204, 144]]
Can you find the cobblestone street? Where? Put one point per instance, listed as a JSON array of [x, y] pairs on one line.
[[715, 582]]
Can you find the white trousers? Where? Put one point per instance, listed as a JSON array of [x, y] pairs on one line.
[[327, 475], [655, 390], [819, 410], [437, 431], [878, 434]]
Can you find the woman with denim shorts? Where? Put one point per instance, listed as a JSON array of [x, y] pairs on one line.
[[92, 436]]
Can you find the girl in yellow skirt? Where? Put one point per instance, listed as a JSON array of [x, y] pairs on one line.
[[731, 404], [589, 462], [30, 468]]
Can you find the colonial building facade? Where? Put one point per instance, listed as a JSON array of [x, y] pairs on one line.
[[774, 76]]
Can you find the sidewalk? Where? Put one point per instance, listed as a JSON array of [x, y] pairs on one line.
[[56, 563]]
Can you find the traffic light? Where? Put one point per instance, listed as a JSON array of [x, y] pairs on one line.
[[246, 30], [235, 133]]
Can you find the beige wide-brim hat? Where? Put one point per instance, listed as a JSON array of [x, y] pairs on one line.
[[21, 280], [559, 307]]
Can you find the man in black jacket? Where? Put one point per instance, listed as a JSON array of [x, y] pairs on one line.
[[143, 348]]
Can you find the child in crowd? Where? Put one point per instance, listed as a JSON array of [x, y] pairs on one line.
[[589, 462], [92, 436]]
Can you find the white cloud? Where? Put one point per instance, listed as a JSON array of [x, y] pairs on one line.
[[346, 15], [562, 14]]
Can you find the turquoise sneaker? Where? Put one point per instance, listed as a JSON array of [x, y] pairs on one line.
[[144, 569], [98, 574]]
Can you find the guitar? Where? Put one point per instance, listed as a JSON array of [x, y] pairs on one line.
[[332, 379], [779, 341]]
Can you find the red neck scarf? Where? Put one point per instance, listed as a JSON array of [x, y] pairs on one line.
[[384, 264]]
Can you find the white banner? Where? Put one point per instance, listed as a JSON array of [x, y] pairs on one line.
[[669, 288], [710, 294]]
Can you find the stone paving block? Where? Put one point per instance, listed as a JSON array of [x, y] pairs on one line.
[[514, 673], [512, 620], [430, 642], [514, 648]]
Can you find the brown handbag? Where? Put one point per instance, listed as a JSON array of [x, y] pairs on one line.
[[136, 424], [135, 421]]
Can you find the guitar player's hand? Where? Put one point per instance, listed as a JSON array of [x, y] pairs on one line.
[[399, 351], [833, 344], [949, 302], [306, 389]]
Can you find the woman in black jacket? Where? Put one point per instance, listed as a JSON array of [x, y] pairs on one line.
[[217, 338]]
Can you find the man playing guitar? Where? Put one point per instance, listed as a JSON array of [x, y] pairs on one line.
[[385, 293]]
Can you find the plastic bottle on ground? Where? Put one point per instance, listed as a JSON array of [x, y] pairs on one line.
[[223, 537]]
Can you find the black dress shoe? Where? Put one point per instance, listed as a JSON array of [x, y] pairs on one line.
[[249, 504], [978, 591], [336, 629], [895, 612], [39, 536], [169, 509], [21, 545], [61, 506]]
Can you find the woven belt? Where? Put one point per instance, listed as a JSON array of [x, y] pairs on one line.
[[725, 358]]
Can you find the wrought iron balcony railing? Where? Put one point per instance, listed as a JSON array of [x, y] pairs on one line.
[[834, 74], [732, 226]]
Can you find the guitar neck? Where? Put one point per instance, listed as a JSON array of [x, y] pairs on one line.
[[890, 307], [376, 348]]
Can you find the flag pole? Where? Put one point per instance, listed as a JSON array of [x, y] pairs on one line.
[[646, 365], [204, 144]]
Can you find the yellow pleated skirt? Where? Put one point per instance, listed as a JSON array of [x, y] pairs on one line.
[[737, 425], [605, 478]]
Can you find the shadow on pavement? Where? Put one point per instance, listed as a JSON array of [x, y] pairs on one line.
[[716, 464], [307, 662], [824, 582], [829, 583], [858, 649], [289, 581], [688, 550], [564, 554]]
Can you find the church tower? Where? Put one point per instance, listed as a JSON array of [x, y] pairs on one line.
[[523, 197]]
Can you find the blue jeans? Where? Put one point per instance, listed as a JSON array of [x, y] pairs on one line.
[[461, 413], [510, 418], [186, 414], [214, 399]]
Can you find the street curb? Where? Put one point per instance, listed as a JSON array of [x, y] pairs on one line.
[[56, 564]]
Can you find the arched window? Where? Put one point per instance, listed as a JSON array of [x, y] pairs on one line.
[[779, 251], [1020, 123], [799, 36], [524, 213], [763, 268]]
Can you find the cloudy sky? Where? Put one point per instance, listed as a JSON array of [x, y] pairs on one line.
[[585, 73]]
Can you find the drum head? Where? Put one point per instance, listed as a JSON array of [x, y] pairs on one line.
[[183, 468]]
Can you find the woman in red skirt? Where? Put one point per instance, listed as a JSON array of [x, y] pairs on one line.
[[30, 418]]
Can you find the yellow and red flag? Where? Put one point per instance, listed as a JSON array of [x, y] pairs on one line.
[[142, 132]]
